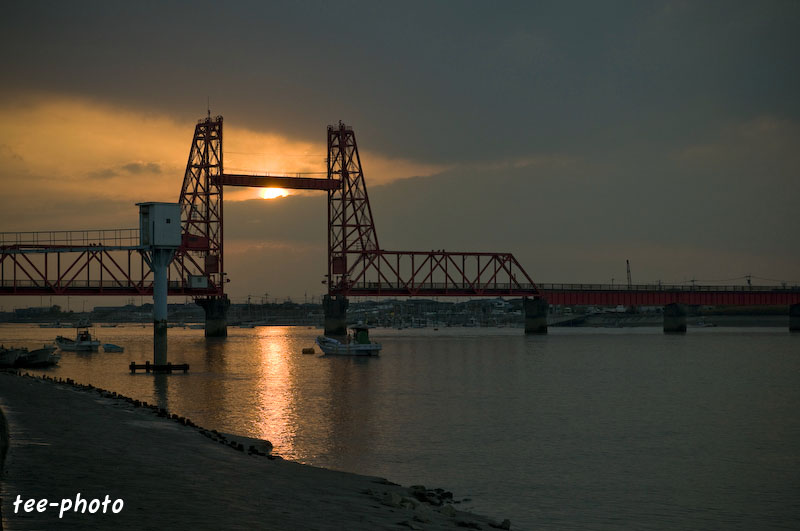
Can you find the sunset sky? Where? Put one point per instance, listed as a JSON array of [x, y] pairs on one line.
[[574, 134]]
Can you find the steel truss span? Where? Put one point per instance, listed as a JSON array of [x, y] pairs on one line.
[[436, 273]]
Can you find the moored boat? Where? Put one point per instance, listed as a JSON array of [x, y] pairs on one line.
[[110, 347], [82, 342], [55, 324], [40, 357], [357, 344]]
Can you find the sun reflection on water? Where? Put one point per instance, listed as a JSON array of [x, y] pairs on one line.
[[276, 419]]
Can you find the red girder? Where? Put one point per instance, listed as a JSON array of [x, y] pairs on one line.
[[275, 181]]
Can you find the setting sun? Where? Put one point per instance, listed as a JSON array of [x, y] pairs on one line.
[[272, 193]]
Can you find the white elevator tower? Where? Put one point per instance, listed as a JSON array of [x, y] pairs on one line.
[[159, 238]]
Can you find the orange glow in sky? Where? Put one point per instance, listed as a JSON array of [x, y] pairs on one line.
[[272, 193]]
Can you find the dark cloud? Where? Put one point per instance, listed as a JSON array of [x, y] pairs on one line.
[[106, 173], [66, 211], [442, 82], [7, 153], [131, 168], [137, 168]]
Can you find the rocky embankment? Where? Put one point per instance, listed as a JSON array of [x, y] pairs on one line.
[[68, 440]]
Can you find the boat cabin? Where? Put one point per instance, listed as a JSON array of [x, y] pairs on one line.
[[360, 334], [83, 335]]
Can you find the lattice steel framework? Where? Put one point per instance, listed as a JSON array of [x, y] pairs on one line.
[[351, 230], [358, 266], [200, 259]]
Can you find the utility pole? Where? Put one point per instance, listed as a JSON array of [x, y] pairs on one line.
[[628, 265]]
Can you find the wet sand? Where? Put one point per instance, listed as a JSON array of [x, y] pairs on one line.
[[66, 439]]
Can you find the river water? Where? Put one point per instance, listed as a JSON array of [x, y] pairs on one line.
[[580, 429]]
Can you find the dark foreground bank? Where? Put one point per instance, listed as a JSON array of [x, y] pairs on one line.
[[103, 461]]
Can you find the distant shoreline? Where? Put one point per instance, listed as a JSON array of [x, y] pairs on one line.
[[623, 320]]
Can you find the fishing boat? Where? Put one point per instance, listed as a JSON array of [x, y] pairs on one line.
[[40, 357], [357, 344], [83, 342]]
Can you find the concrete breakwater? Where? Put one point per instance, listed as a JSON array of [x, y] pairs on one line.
[[68, 439]]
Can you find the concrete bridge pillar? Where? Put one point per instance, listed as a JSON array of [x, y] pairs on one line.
[[216, 309], [675, 318], [159, 262], [535, 311], [794, 318], [335, 314]]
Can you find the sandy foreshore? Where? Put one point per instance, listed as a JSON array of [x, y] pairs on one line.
[[66, 439]]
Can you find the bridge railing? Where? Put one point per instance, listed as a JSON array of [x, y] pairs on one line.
[[92, 284], [439, 286], [666, 287], [72, 238], [544, 287]]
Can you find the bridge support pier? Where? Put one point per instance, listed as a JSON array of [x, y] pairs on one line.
[[335, 314], [794, 317], [216, 309], [535, 311], [675, 318], [160, 259]]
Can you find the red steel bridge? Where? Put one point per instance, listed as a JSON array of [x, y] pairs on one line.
[[109, 262]]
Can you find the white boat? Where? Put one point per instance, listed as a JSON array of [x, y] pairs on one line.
[[41, 357], [358, 344], [83, 342], [110, 347]]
